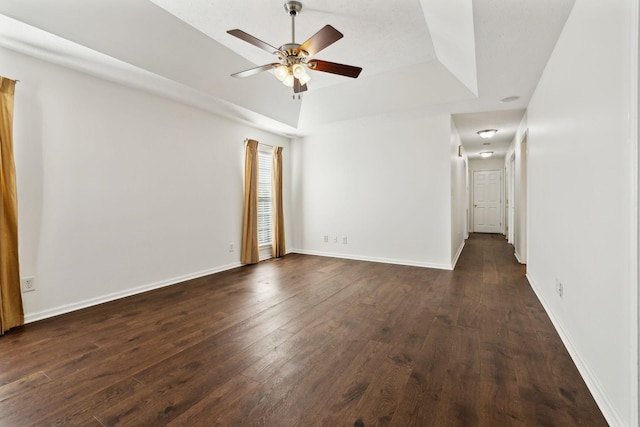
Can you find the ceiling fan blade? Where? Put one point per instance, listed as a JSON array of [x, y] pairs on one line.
[[323, 38], [256, 70], [297, 87], [253, 40], [334, 68]]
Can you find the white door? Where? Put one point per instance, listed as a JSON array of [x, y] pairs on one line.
[[487, 201]]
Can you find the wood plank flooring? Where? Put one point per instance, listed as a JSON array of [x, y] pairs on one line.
[[305, 341]]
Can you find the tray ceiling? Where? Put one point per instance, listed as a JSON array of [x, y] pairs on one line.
[[437, 56]]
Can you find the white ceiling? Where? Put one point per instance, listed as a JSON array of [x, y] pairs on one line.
[[269, 22], [457, 57]]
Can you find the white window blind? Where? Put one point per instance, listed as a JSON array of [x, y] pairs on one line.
[[264, 198]]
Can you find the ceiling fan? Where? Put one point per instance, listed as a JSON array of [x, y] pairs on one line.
[[293, 57]]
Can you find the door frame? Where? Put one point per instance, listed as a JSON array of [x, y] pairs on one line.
[[510, 183], [520, 240]]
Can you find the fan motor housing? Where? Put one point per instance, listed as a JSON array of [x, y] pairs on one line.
[[293, 49]]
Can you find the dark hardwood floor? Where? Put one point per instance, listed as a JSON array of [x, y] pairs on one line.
[[305, 341]]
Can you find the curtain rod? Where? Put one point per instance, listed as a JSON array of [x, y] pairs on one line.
[[261, 143]]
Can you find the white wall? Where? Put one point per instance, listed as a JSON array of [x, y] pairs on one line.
[[459, 193], [120, 190], [581, 195], [382, 182]]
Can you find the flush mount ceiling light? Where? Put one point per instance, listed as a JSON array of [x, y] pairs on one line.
[[487, 133], [509, 99], [486, 154]]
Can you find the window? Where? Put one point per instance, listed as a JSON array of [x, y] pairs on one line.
[[265, 228]]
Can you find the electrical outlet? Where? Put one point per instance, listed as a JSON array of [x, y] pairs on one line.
[[28, 284], [559, 288], [231, 248], [335, 239], [326, 239], [344, 240]]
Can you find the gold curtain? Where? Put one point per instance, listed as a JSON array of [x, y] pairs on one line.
[[250, 252], [277, 247], [11, 311]]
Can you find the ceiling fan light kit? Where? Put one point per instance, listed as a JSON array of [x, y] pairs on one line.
[[295, 58]]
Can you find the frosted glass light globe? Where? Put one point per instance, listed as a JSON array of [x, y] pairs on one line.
[[288, 81], [298, 71], [304, 79], [281, 72]]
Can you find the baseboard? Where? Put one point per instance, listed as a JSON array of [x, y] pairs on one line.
[[56, 311], [608, 410], [374, 259], [515, 253], [454, 261]]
